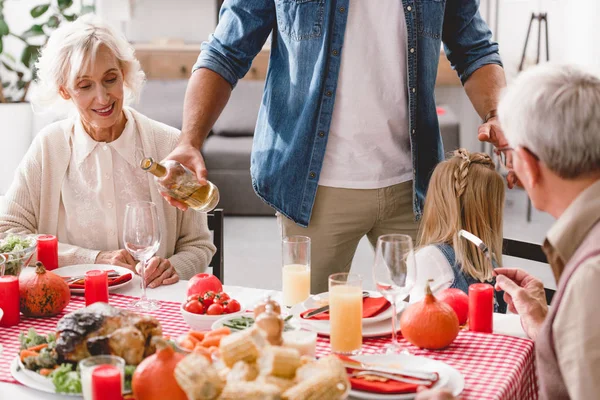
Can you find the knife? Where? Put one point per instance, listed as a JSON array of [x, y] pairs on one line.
[[363, 366], [324, 309], [479, 243]]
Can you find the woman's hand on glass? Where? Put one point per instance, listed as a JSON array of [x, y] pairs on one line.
[[159, 271], [120, 258]]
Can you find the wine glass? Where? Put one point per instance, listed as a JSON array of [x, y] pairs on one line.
[[394, 274], [141, 237]]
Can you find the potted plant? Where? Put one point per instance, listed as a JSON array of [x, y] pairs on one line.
[[18, 54]]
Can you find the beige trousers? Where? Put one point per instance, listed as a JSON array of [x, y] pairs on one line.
[[341, 217]]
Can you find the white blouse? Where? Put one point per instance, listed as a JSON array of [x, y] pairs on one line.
[[431, 264], [100, 180]]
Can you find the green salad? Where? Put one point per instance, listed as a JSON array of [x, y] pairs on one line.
[[65, 377], [243, 322], [13, 247]]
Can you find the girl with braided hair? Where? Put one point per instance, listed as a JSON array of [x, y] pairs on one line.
[[465, 192]]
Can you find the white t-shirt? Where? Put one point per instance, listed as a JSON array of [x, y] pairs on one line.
[[431, 264], [368, 145], [101, 179]]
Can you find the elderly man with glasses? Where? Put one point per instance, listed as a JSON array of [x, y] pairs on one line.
[[551, 118]]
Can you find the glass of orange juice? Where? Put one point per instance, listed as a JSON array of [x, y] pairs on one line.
[[345, 313], [296, 270]]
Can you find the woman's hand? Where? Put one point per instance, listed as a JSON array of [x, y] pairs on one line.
[[438, 394], [120, 258], [159, 271], [525, 296]]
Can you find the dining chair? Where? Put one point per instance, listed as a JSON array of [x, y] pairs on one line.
[[527, 251], [215, 224]]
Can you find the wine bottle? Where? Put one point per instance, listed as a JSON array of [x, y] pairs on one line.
[[180, 183]]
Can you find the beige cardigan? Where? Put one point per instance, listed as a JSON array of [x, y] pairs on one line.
[[32, 202]]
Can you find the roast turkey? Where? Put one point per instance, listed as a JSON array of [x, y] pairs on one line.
[[103, 329]]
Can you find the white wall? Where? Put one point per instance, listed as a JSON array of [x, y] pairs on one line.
[[189, 20], [574, 37]]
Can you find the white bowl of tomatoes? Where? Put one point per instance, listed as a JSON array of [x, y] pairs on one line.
[[201, 310]]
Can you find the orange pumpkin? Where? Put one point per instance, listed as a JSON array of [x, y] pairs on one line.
[[429, 324], [43, 294], [154, 378]]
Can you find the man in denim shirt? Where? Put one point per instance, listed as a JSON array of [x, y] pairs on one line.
[[347, 133]]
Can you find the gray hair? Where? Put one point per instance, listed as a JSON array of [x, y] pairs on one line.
[[72, 48], [554, 111]]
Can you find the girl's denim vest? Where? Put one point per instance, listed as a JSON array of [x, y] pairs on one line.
[[462, 281]]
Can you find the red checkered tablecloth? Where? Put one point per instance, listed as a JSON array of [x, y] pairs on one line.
[[494, 366]]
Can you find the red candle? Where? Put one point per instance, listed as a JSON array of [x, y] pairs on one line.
[[106, 383], [96, 287], [47, 251], [9, 300], [481, 307]]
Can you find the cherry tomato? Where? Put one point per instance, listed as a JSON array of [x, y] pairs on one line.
[[232, 306], [194, 306], [194, 297], [208, 298], [222, 298], [215, 309]]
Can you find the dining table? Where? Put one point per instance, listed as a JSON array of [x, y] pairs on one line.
[[495, 366]]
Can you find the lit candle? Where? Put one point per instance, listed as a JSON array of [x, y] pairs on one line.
[[9, 300], [106, 383], [47, 251], [96, 287], [481, 307]]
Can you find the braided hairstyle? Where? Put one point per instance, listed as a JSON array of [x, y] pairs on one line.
[[462, 170]]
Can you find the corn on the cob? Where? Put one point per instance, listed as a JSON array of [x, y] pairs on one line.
[[242, 346], [198, 378], [282, 383], [325, 386], [330, 364], [250, 391], [242, 371], [279, 361]]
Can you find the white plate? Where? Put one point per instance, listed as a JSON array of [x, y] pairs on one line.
[[318, 300], [23, 378], [380, 328], [450, 378], [81, 269]]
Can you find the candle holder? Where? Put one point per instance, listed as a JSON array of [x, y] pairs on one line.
[[47, 251], [96, 287], [481, 308], [9, 301], [87, 367]]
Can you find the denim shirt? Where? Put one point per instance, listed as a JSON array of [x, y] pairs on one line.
[[462, 281], [297, 105]]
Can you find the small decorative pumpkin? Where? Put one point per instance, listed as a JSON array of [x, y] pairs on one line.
[[154, 378], [43, 294], [429, 324], [459, 301]]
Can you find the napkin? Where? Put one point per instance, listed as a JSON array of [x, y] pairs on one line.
[[372, 306], [111, 281], [387, 387]]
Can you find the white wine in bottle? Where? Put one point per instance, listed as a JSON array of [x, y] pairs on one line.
[[180, 183]]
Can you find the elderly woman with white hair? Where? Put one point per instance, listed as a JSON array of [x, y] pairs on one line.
[[80, 173], [551, 118]]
